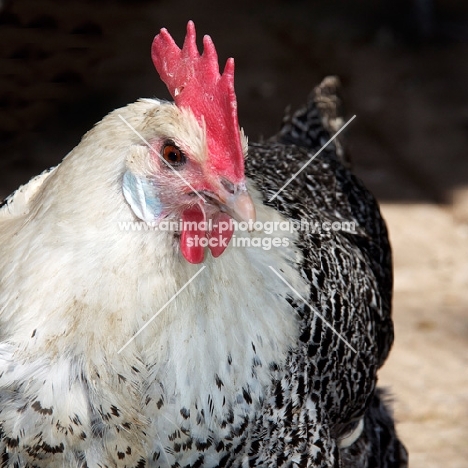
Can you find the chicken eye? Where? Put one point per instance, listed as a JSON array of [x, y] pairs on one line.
[[173, 155], [351, 433]]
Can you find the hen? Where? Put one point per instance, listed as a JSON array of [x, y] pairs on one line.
[[171, 296]]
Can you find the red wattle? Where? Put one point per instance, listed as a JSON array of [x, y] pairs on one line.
[[190, 239], [221, 234]]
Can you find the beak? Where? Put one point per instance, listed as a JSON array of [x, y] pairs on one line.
[[240, 207]]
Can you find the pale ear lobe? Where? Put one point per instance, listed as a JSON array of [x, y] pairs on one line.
[[141, 196], [139, 192]]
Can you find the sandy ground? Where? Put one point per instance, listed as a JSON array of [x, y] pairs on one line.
[[64, 66], [427, 369]]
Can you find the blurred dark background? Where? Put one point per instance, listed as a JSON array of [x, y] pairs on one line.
[[403, 66]]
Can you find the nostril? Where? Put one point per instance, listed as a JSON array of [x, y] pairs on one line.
[[229, 186]]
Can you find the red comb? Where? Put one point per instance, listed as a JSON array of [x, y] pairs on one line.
[[194, 82]]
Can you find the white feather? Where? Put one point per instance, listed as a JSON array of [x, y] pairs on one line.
[[75, 288]]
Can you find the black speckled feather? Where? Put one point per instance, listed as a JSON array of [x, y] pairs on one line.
[[350, 278]]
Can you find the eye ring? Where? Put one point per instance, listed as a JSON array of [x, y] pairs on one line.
[[173, 155]]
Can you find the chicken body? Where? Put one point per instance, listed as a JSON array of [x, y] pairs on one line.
[[261, 357]]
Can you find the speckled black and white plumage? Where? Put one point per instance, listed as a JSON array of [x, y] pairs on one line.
[[237, 371], [350, 279]]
